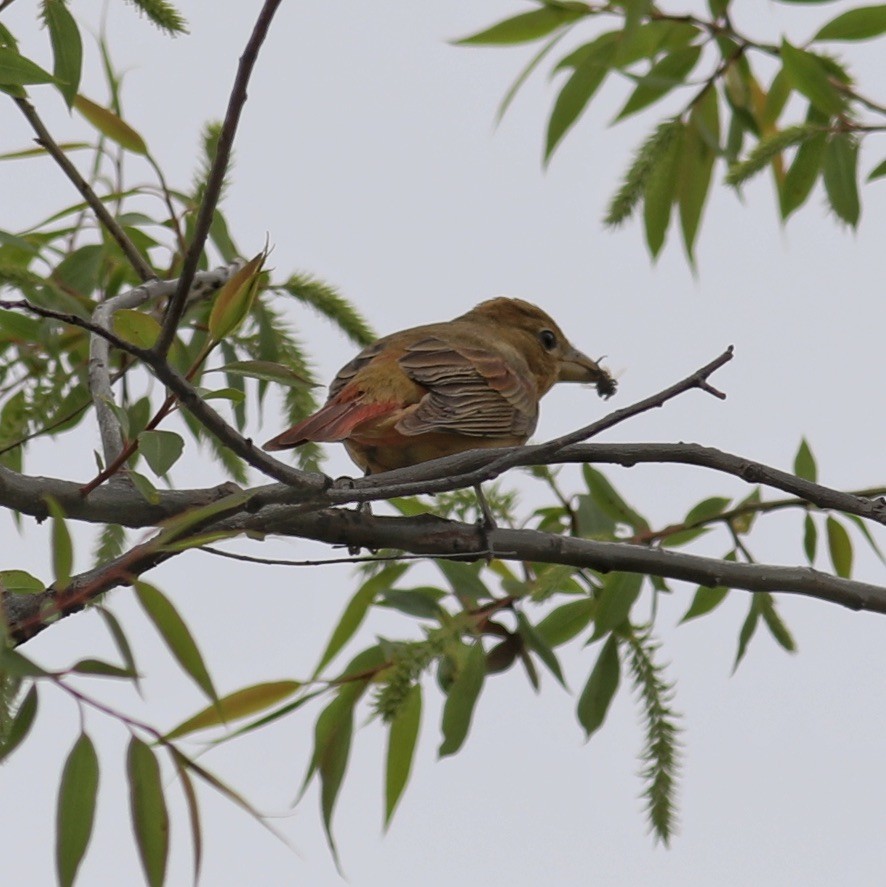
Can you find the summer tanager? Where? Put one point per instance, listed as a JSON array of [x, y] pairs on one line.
[[439, 389]]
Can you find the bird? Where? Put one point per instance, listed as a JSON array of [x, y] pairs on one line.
[[443, 388]]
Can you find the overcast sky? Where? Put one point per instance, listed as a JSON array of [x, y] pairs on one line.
[[367, 156]]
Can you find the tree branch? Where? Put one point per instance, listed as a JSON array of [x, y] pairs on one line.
[[237, 100], [45, 140]]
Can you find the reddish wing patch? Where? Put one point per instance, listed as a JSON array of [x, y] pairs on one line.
[[333, 422]]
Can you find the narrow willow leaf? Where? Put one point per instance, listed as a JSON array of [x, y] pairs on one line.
[[774, 622], [161, 449], [102, 669], [663, 76], [464, 580], [234, 300], [136, 327], [175, 634], [802, 174], [840, 547], [810, 538], [67, 48], [237, 705], [524, 28], [13, 663], [748, 627], [75, 811], [804, 462], [356, 610], [62, 548], [878, 172], [620, 591], [20, 582], [706, 509], [193, 814], [461, 700], [578, 90], [659, 193], [121, 642], [147, 490], [653, 152], [20, 725], [524, 75], [599, 691], [856, 24], [402, 738], [150, 819], [699, 151], [610, 502], [705, 600], [809, 75], [841, 177], [110, 125], [535, 642], [566, 621], [266, 370], [423, 603], [16, 70]]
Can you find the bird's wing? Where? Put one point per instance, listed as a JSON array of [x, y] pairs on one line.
[[471, 390], [352, 367]]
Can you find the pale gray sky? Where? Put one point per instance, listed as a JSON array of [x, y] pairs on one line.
[[367, 155]]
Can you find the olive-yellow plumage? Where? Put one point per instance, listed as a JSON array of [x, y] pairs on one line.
[[442, 388]]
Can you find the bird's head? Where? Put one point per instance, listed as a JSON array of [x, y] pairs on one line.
[[542, 343]]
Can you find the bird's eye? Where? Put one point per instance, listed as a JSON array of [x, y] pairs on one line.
[[548, 340]]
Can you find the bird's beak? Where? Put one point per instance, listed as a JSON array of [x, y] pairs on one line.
[[574, 366]]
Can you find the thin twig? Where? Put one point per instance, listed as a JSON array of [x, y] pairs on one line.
[[365, 559], [45, 140], [212, 192]]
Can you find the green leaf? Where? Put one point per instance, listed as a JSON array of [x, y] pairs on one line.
[[75, 812], [706, 509], [193, 813], [810, 538], [464, 580], [863, 529], [13, 663], [121, 642], [598, 692], [266, 370], [175, 635], [749, 626], [234, 300], [402, 738], [144, 486], [16, 70], [663, 76], [579, 89], [774, 622], [802, 174], [705, 600], [878, 172], [535, 642], [21, 723], [841, 177], [103, 669], [237, 705], [461, 699], [20, 582], [840, 547], [150, 819], [524, 75], [566, 621], [804, 462], [856, 24], [699, 151], [136, 327], [110, 125], [808, 75], [423, 603], [161, 449], [620, 591], [356, 610], [610, 502], [67, 48], [660, 191], [525, 27], [62, 549]]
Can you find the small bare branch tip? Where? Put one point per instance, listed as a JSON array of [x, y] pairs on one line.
[[705, 386]]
